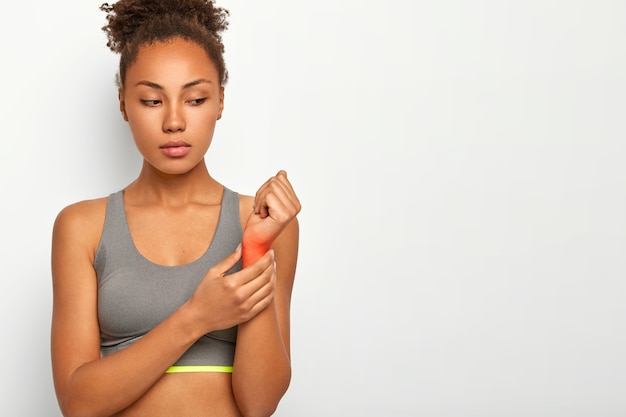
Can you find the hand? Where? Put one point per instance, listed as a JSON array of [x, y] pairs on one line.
[[222, 301], [275, 205]]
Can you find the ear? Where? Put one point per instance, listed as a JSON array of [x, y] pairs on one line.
[[120, 96], [221, 108]]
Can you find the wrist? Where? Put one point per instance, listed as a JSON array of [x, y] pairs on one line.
[[188, 320], [252, 251]]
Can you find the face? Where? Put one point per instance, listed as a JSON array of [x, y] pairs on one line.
[[172, 99]]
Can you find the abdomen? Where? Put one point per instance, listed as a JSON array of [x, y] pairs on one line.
[[202, 394]]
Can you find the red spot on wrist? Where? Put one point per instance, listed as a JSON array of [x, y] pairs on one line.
[[253, 249]]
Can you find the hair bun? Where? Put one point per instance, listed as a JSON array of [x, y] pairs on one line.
[[125, 17]]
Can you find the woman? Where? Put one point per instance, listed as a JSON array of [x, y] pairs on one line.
[[171, 296]]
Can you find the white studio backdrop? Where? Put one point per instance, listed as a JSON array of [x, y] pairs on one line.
[[461, 169]]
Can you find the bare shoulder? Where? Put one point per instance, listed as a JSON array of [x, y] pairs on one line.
[[84, 214], [246, 205], [80, 224]]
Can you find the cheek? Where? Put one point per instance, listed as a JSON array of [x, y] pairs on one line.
[[142, 123], [202, 121]]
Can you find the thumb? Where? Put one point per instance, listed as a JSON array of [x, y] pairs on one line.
[[227, 263]]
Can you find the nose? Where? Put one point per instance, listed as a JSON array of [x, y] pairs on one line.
[[174, 120]]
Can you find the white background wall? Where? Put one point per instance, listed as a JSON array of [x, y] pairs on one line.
[[460, 164]]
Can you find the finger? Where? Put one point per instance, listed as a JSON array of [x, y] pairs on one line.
[[263, 284], [274, 195], [256, 306], [280, 209], [281, 179], [282, 199], [262, 295], [257, 293], [227, 263], [259, 205], [248, 275]]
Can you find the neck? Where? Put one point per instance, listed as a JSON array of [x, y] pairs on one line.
[[155, 187]]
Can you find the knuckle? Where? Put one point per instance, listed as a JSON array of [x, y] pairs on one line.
[[248, 316], [229, 285], [213, 271], [260, 267], [243, 312], [239, 298]]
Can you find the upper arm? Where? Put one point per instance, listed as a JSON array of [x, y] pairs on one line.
[[75, 335]]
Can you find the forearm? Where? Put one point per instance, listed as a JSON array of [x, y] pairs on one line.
[[262, 368], [110, 384]]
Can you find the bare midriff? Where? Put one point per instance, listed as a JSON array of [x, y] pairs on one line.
[[198, 394]]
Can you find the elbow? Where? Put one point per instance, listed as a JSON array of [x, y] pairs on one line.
[[258, 412], [262, 404], [69, 406], [74, 407], [261, 409], [69, 409]]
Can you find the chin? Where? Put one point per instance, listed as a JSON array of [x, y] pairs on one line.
[[175, 167]]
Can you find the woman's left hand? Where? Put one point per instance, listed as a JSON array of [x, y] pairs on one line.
[[275, 205]]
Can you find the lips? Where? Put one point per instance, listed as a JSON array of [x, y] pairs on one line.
[[176, 148], [175, 144]]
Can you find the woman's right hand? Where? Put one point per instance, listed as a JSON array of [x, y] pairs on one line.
[[222, 301]]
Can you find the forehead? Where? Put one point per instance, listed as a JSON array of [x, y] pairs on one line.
[[176, 61]]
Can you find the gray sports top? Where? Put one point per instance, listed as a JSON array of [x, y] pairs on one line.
[[135, 294]]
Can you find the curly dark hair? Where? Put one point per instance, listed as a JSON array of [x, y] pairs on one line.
[[133, 23]]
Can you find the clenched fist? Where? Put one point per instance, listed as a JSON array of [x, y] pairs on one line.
[[275, 205]]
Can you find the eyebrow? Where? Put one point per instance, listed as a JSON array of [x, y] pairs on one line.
[[185, 86]]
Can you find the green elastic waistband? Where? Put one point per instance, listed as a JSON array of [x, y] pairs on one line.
[[178, 369]]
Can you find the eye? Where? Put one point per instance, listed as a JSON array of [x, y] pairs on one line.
[[151, 103], [197, 101]]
